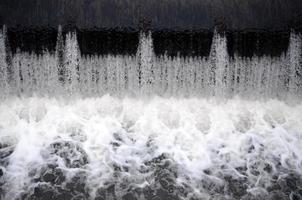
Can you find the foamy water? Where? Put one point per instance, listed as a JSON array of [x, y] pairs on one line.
[[138, 148], [147, 127]]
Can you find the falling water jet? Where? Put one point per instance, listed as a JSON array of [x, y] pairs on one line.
[[4, 86], [220, 74], [72, 59], [145, 59], [60, 54], [295, 64], [67, 72]]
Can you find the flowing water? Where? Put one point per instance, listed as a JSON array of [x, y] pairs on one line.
[[66, 72], [149, 127]]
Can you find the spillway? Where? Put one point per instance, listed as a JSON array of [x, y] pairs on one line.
[[145, 127], [67, 72]]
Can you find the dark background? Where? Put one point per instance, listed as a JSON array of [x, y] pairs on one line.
[[164, 14], [179, 27]]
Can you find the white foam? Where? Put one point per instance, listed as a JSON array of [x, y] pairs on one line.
[[196, 134]]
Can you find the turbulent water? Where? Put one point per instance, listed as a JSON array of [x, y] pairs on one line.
[[148, 127], [108, 148]]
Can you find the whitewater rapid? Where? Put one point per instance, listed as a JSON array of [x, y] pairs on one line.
[[169, 148], [145, 127]]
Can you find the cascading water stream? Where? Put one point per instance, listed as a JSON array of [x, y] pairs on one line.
[[67, 72], [80, 127]]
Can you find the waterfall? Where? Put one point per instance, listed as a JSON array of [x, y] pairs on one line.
[[295, 63], [145, 59], [72, 66], [67, 72], [59, 54], [68, 129], [220, 78]]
